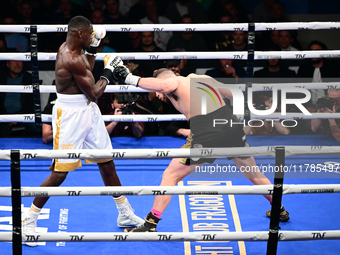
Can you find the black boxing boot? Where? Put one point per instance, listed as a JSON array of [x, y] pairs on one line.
[[149, 225]]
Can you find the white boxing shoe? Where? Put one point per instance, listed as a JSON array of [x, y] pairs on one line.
[[127, 218], [28, 226]]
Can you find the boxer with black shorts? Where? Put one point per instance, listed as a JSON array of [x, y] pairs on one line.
[[185, 94]]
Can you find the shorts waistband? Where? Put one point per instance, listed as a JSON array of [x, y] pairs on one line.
[[72, 98], [222, 112]]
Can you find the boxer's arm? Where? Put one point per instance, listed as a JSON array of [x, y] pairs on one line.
[[91, 59], [159, 85], [85, 80]]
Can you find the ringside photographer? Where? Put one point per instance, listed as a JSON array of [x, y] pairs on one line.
[[123, 104], [328, 104]]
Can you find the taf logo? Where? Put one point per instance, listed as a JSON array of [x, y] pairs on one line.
[[238, 56], [73, 193], [318, 235], [158, 192], [29, 155], [151, 119], [208, 237], [300, 56], [118, 154], [162, 153], [164, 237], [76, 238], [120, 237], [61, 29], [153, 56], [28, 117], [32, 238], [73, 155]]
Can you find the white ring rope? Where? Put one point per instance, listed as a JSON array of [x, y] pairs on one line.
[[183, 27], [171, 190], [174, 236], [130, 88], [239, 55], [173, 153], [121, 118], [30, 118]]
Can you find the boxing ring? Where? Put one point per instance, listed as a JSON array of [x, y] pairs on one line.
[[199, 233]]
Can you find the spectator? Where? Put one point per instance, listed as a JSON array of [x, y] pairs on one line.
[[266, 127], [16, 103], [239, 41], [43, 14], [161, 38], [134, 40], [66, 10], [277, 13], [317, 69], [117, 40], [176, 9], [115, 128], [137, 11], [285, 40], [98, 18], [261, 11], [14, 40], [95, 5], [329, 126], [227, 70], [147, 44], [25, 13], [237, 10], [273, 72], [189, 41], [274, 68], [112, 14], [47, 132], [125, 6], [274, 36], [178, 66], [221, 39]]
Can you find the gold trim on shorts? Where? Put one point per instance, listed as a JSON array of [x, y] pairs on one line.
[[64, 167], [187, 145]]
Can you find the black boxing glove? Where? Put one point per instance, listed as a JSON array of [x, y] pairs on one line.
[[122, 74]]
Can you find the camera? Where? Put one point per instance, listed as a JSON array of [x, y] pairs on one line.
[[323, 102], [129, 102], [259, 102]]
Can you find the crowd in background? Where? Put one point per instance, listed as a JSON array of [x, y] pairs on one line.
[[168, 12]]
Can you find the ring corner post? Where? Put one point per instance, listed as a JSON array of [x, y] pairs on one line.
[[276, 203], [35, 75], [16, 202]]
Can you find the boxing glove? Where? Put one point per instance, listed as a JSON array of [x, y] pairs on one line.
[[110, 63], [122, 74], [98, 33]]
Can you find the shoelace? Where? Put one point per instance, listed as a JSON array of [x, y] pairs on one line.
[[124, 210]]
